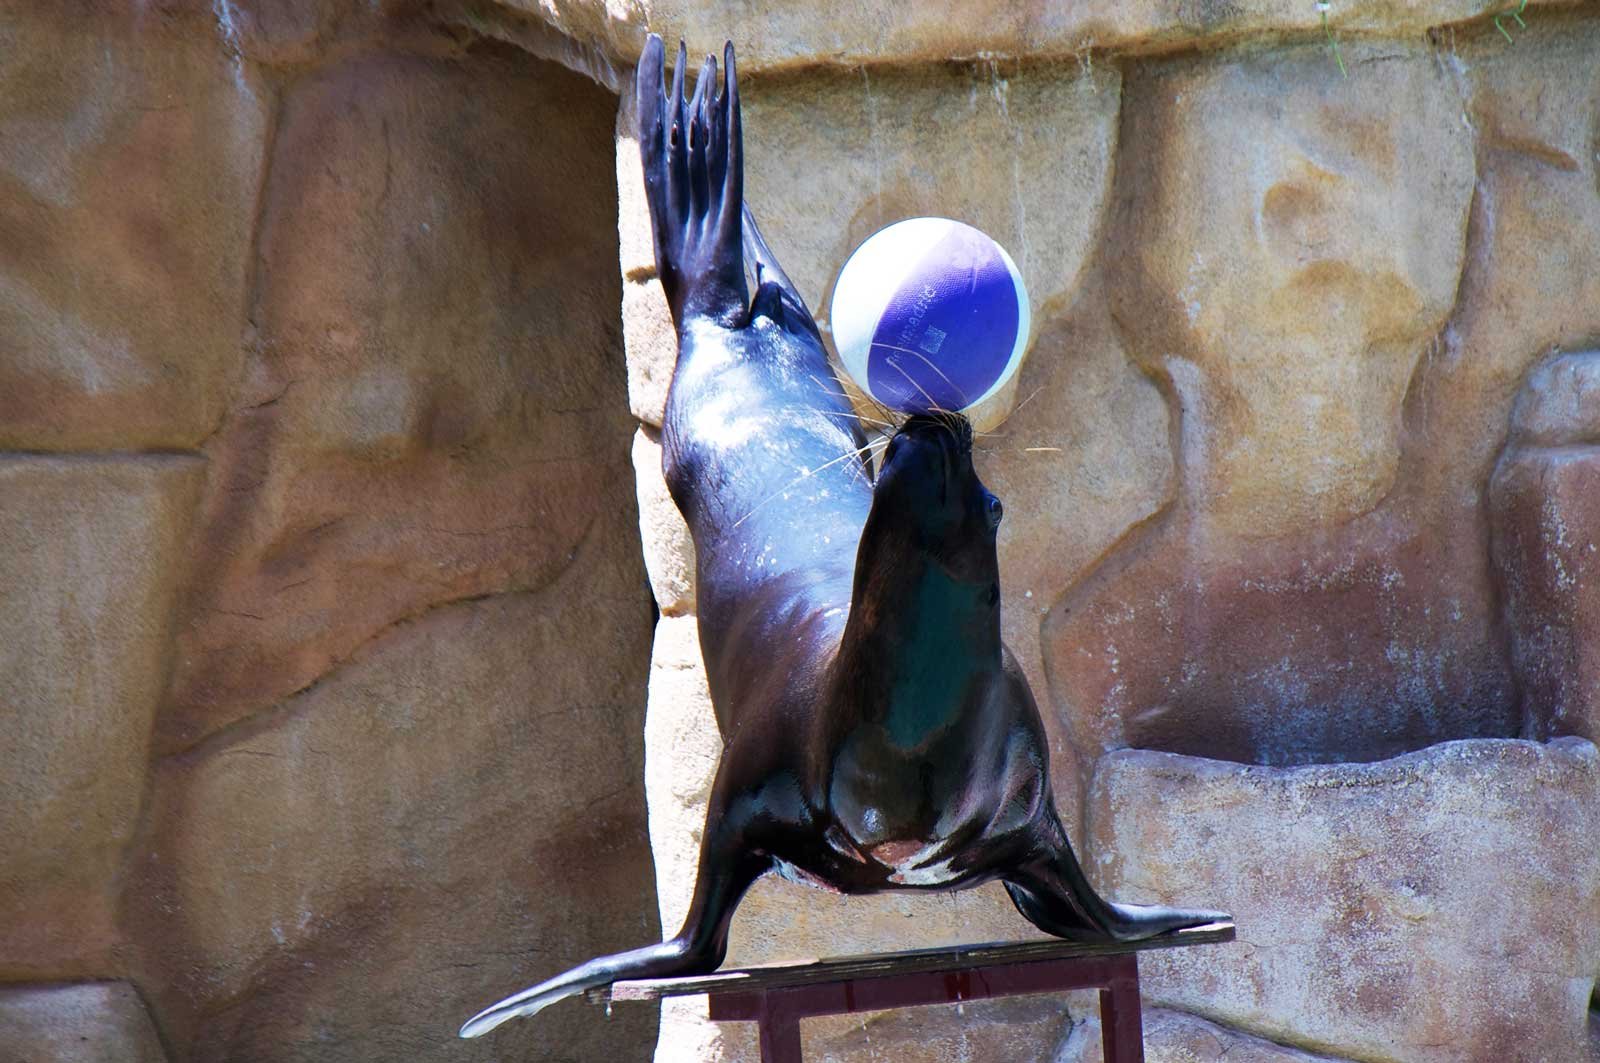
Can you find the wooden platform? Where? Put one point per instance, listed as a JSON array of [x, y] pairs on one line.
[[779, 995], [915, 961]]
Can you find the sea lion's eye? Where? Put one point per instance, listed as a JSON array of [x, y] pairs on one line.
[[996, 511]]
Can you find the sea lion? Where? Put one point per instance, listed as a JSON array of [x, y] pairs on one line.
[[878, 735]]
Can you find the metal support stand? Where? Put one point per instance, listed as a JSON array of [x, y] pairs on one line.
[[777, 998]]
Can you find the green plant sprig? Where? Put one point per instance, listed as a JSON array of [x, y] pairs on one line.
[[1516, 14]]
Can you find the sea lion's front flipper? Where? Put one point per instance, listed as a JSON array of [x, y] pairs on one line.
[[693, 157], [1052, 892], [727, 868], [661, 960]]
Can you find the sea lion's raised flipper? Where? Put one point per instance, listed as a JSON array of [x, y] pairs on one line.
[[693, 156], [776, 295], [1054, 895], [727, 868]]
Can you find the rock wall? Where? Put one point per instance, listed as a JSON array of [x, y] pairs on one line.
[[326, 640], [334, 695]]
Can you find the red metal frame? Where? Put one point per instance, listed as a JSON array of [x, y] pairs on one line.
[[778, 1012]]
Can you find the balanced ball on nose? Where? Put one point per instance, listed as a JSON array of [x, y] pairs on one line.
[[930, 314]]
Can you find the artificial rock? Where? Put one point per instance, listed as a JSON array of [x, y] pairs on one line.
[[1304, 596], [1545, 497], [776, 35], [1178, 1037], [127, 197], [437, 384], [1443, 905], [668, 549], [452, 815], [92, 553], [85, 1022], [322, 308]]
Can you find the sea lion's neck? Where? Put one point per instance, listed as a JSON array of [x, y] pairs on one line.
[[915, 640]]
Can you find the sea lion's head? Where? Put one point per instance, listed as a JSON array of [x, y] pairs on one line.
[[929, 503]]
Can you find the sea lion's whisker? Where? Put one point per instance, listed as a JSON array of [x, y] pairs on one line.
[[1031, 396], [851, 453], [875, 424], [935, 411], [850, 397], [841, 393], [851, 414], [872, 452], [960, 391]]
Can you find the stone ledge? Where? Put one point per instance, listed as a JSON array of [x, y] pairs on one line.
[[772, 35]]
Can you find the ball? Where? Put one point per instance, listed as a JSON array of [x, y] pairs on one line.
[[930, 313]]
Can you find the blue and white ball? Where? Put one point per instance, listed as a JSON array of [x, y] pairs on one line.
[[930, 313]]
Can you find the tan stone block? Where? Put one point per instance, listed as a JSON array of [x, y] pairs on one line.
[[1544, 499], [638, 252], [1361, 644], [1560, 403], [1443, 905], [1288, 316], [92, 552], [127, 194], [451, 816], [436, 408], [652, 344], [89, 1022], [783, 922], [682, 750], [689, 1036], [1531, 284], [1022, 153], [1316, 589], [668, 548]]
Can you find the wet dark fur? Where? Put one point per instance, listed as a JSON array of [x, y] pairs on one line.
[[877, 733]]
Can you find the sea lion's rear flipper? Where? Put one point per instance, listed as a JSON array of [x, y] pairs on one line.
[[693, 156], [1054, 895]]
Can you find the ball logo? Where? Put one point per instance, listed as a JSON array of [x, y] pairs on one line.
[[919, 310], [929, 314]]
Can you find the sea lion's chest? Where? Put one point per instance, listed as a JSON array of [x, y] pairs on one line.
[[925, 813], [899, 809]]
